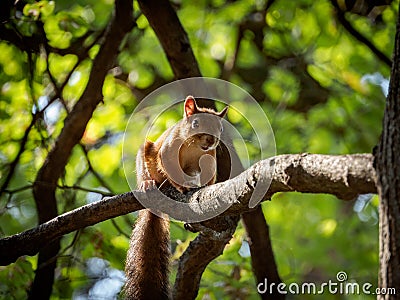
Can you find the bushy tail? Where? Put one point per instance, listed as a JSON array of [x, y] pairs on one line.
[[147, 261]]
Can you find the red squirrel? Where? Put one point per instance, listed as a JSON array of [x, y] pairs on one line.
[[175, 158]]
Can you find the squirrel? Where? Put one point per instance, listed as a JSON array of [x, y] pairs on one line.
[[178, 158]]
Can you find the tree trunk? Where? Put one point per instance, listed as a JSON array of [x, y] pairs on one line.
[[387, 165]]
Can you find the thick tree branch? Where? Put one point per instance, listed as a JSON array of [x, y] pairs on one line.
[[194, 260], [172, 36], [345, 176]]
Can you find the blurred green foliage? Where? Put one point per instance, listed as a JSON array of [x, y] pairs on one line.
[[319, 86]]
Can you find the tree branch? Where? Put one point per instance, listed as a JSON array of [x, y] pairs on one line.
[[357, 35], [76, 121], [44, 189], [14, 163], [31, 241], [194, 260], [172, 36], [345, 176]]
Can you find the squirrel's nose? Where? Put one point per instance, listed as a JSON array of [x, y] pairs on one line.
[[210, 139]]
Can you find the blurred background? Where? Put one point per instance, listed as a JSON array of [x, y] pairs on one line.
[[319, 70]]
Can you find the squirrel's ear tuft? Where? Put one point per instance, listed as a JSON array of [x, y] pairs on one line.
[[223, 112], [190, 106]]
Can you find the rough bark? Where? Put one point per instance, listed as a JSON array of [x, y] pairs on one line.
[[74, 126], [207, 246], [344, 176], [387, 164]]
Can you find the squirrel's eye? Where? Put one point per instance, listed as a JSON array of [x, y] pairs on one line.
[[222, 129], [195, 123]]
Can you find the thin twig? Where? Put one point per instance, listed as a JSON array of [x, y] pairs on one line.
[[21, 150], [360, 37]]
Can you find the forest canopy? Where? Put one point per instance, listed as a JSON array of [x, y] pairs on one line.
[[320, 72]]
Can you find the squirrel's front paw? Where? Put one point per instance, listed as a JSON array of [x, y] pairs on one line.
[[147, 185], [189, 227]]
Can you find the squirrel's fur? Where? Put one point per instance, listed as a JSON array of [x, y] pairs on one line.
[[174, 158]]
